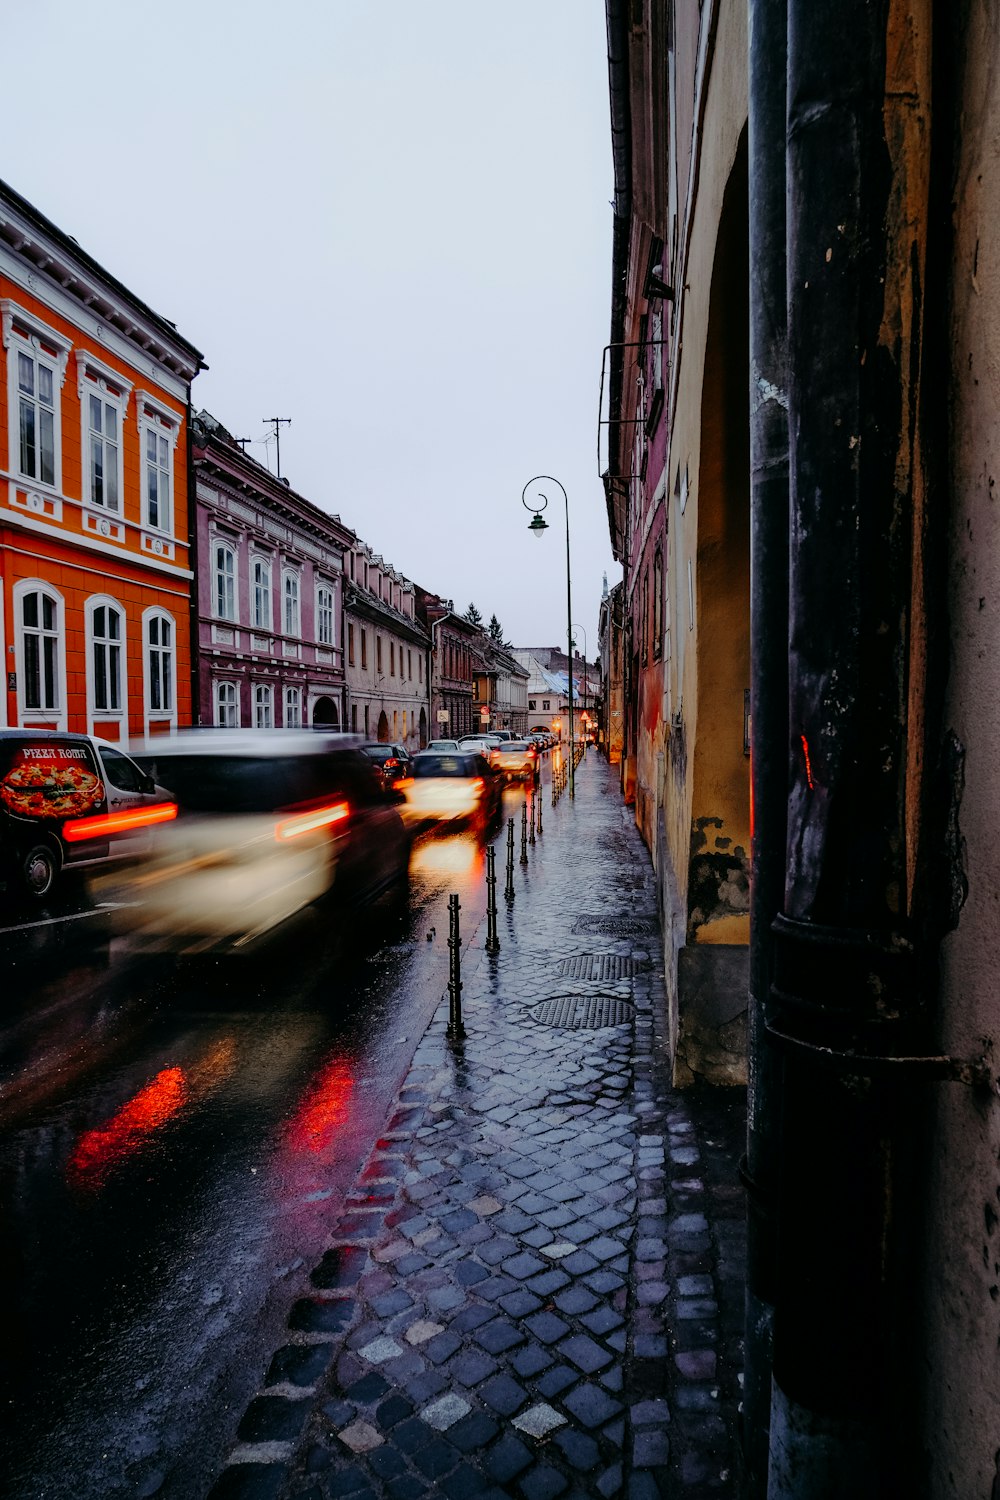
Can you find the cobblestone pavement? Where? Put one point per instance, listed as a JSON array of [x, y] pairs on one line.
[[535, 1287]]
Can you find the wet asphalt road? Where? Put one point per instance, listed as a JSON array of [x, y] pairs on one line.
[[172, 1147]]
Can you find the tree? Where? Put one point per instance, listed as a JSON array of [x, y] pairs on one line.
[[496, 631], [474, 617]]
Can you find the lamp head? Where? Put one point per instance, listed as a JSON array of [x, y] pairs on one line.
[[538, 524]]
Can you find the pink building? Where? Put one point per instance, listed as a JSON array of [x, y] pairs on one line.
[[269, 592]]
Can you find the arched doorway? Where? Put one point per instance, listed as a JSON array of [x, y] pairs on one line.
[[325, 713], [383, 729], [423, 729], [713, 980]]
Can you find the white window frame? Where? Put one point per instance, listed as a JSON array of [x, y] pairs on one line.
[[108, 715], [220, 545], [262, 694], [157, 612], [221, 702], [292, 626], [292, 708], [261, 592], [98, 380], [23, 333], [152, 416], [57, 714], [324, 586]]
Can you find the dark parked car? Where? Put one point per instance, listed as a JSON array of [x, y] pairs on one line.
[[392, 762], [269, 823]]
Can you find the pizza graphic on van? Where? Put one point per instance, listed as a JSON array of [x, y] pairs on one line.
[[53, 787]]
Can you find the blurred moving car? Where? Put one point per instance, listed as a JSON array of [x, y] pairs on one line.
[[392, 762], [480, 744], [452, 787], [70, 801], [517, 760], [269, 823]]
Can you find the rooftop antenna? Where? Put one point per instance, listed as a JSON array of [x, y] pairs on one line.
[[276, 423], [243, 442]]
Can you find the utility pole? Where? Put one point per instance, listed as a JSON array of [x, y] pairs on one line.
[[276, 423]]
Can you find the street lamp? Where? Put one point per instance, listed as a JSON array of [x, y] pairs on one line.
[[537, 525], [584, 711]]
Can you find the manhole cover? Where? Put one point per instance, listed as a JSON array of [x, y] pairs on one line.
[[583, 1012], [597, 966], [621, 927]]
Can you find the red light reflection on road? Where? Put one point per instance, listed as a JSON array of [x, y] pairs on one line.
[[99, 1151], [324, 1109]]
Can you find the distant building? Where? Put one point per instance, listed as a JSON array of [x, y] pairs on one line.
[[501, 687], [611, 641], [548, 689], [387, 649], [269, 593], [94, 562]]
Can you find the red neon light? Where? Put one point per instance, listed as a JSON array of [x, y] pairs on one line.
[[809, 770], [309, 822], [98, 1151], [103, 824]]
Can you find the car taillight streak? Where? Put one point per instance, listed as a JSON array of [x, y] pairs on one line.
[[310, 822], [103, 824]]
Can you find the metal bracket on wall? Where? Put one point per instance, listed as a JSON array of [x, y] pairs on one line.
[[975, 1072]]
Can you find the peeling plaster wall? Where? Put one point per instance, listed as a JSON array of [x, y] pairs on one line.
[[962, 1290]]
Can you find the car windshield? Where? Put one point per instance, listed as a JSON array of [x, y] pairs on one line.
[[445, 765], [243, 783], [514, 745], [380, 753]]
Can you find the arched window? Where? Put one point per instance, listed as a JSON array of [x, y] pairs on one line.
[[160, 665], [263, 709], [293, 708], [225, 582], [262, 594], [40, 652], [106, 661], [292, 616], [227, 706]]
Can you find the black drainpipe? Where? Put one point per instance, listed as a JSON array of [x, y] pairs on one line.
[[768, 694], [845, 982]]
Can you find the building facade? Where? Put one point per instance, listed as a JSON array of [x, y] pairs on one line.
[[270, 568], [387, 648], [453, 655], [95, 568], [500, 699]]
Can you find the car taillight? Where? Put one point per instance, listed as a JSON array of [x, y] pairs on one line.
[[310, 822], [103, 824], [390, 763]]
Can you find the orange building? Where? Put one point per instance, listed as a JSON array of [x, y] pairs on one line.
[[95, 574]]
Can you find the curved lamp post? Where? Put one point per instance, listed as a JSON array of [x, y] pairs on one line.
[[537, 525], [583, 711]]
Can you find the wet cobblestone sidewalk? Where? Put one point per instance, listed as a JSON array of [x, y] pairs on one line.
[[535, 1288]]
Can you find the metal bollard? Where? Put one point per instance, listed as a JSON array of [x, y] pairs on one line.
[[539, 809], [529, 808], [524, 833], [455, 1027], [492, 940], [509, 892]]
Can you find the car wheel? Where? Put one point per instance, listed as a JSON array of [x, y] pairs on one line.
[[39, 869]]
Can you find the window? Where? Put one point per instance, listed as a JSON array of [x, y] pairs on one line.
[[546, 703], [36, 365], [364, 654], [261, 573], [657, 603], [350, 645], [292, 614], [392, 658], [227, 711], [106, 623], [420, 668], [41, 646], [354, 718], [262, 706], [160, 665], [158, 431], [120, 771], [378, 654], [532, 703], [293, 708], [225, 582], [645, 616], [409, 663], [324, 614], [367, 727]]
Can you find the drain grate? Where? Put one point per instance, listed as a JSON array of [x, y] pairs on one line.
[[619, 927], [597, 966], [583, 1012]]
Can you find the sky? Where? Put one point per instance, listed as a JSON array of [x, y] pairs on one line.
[[388, 220]]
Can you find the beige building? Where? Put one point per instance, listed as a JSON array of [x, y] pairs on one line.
[[386, 653]]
